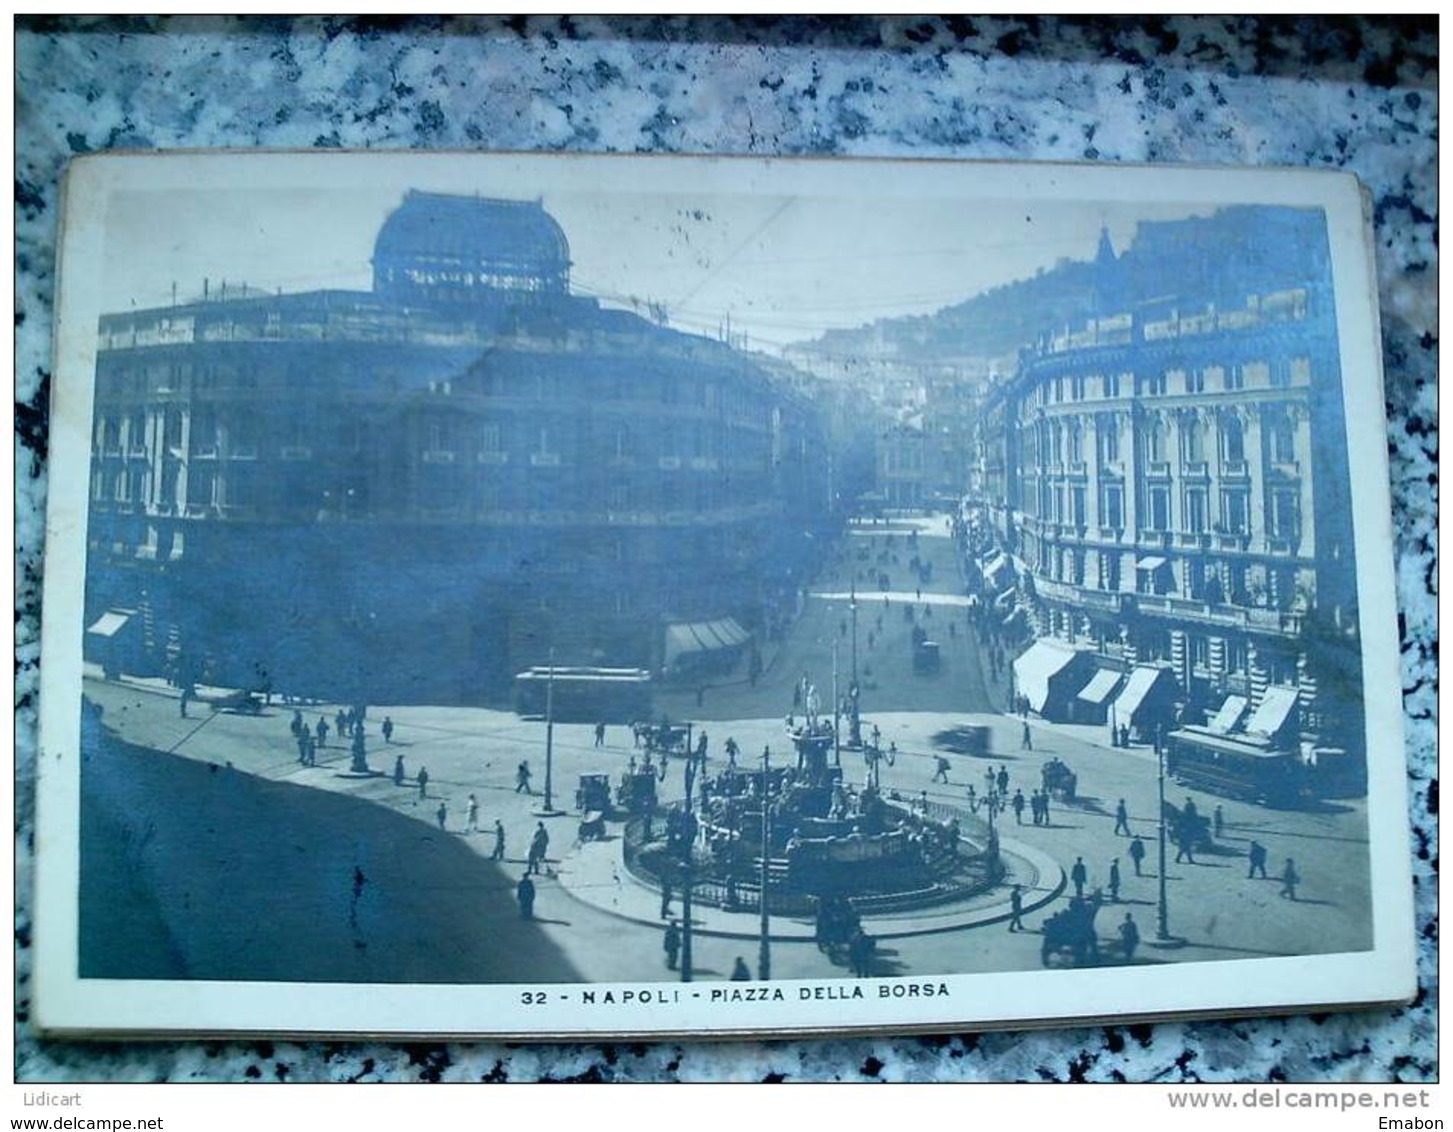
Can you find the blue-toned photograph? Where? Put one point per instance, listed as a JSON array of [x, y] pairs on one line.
[[583, 581]]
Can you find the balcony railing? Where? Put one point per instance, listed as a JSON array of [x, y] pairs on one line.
[[1233, 616], [1233, 469]]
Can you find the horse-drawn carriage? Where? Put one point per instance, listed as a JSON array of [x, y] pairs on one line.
[[1071, 932], [664, 738], [839, 933], [636, 793], [1186, 826], [1058, 780]]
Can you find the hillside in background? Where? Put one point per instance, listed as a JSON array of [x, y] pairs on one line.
[[1222, 258]]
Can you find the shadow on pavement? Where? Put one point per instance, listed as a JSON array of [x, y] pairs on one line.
[[190, 870]]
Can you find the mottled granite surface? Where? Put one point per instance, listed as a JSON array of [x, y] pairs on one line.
[[1355, 94]]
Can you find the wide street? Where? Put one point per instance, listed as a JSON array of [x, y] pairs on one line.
[[1215, 911]]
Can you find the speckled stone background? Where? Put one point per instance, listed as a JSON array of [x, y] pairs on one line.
[[1355, 94]]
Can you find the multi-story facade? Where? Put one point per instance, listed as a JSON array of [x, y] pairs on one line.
[[416, 491], [1172, 478]]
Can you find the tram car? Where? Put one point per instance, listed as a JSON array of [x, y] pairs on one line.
[[1235, 766]]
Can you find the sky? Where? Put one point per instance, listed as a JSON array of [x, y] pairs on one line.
[[779, 266]]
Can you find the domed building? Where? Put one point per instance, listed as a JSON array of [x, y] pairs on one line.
[[412, 493]]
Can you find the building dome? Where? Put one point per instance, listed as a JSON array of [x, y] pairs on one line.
[[438, 248]]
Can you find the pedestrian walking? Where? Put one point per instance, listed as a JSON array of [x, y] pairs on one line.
[[600, 734], [1122, 819], [1044, 807], [1129, 937], [498, 853], [1185, 844], [1016, 908], [322, 729], [665, 899], [940, 774], [525, 894], [398, 769], [1018, 805], [860, 953], [1002, 781], [422, 778], [1079, 875], [441, 815], [671, 944], [187, 694], [973, 800], [731, 751], [1218, 822], [341, 722], [1256, 856], [1114, 884], [388, 728], [1137, 854], [539, 846], [297, 724], [740, 972], [1289, 880], [1026, 743], [471, 815], [522, 778]]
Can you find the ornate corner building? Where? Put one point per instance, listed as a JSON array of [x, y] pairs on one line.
[[413, 492], [1171, 474]]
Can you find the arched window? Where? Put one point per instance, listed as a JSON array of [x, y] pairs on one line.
[[1155, 440], [1193, 438], [1233, 439]]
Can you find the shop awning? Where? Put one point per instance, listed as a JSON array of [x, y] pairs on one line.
[[1230, 714], [1150, 562], [1138, 685], [1100, 687], [1276, 709], [1033, 671], [111, 622], [996, 569], [730, 632], [685, 638]]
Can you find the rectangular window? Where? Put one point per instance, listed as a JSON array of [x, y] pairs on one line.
[[1159, 509], [1234, 511], [1195, 509], [1235, 378], [1077, 506], [1113, 507]]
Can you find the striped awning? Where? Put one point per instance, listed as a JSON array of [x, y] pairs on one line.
[[684, 638], [1277, 706], [1100, 687]]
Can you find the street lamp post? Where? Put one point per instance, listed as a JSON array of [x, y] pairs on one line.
[[856, 722], [549, 810], [688, 838], [764, 946], [1162, 921], [837, 744]]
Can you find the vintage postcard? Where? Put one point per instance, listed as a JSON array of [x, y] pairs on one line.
[[555, 596]]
